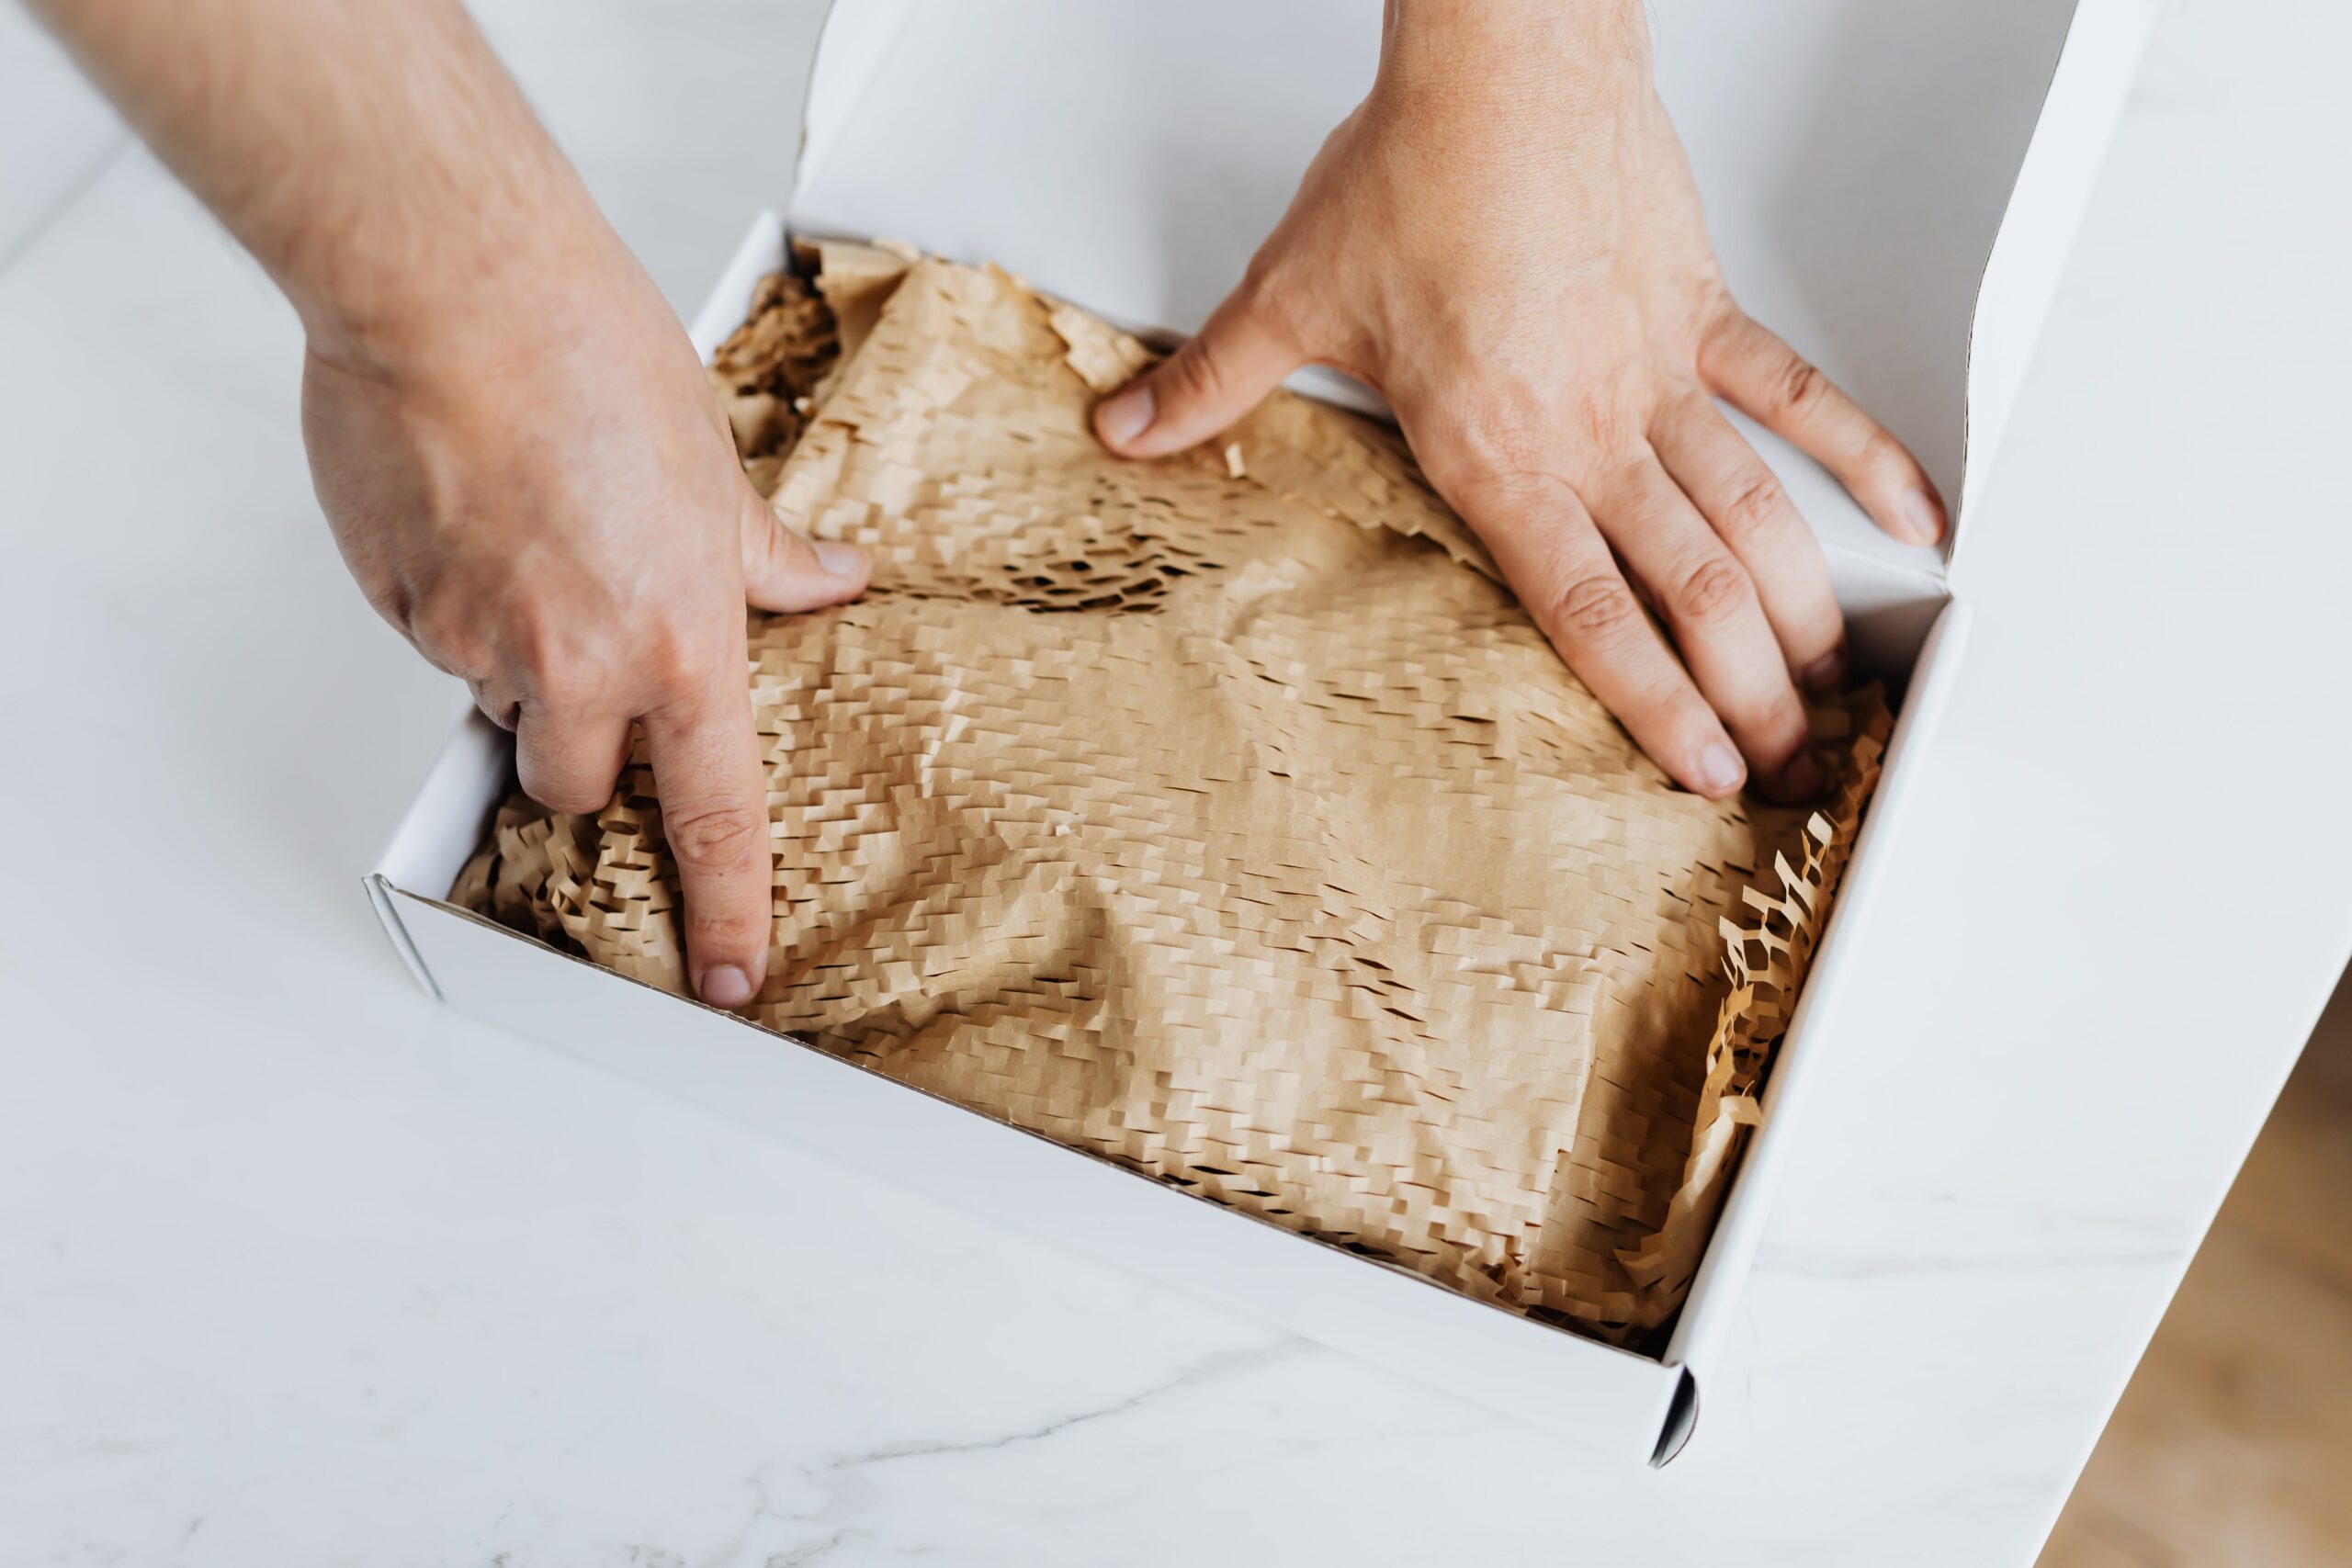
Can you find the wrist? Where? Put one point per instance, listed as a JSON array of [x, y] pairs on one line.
[[1509, 48], [443, 298]]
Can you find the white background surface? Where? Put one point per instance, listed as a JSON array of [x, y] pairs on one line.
[[296, 1268]]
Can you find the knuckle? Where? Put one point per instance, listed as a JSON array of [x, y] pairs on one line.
[[501, 710], [1798, 390], [1721, 321], [1504, 459], [1196, 374], [563, 685], [720, 932], [389, 598], [1713, 592], [1601, 420], [573, 795], [1511, 461], [1881, 454], [1668, 706], [1755, 510], [534, 643], [1594, 609], [677, 662], [1275, 302], [449, 633], [1780, 720], [716, 840], [571, 802], [537, 635], [784, 553]]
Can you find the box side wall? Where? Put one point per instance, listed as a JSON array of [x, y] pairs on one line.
[[2084, 103], [1577, 1387], [760, 252], [441, 829], [1814, 1036], [469, 777], [966, 130]]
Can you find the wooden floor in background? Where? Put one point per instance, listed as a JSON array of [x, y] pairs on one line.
[[2234, 1444]]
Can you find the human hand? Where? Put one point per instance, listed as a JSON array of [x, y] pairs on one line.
[[520, 457], [1505, 240], [539, 489]]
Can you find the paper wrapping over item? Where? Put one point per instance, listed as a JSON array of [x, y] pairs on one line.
[[1222, 816]]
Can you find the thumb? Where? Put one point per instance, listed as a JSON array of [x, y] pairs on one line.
[[785, 571], [1239, 354]]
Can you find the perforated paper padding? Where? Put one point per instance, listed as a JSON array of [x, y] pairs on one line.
[[1222, 816]]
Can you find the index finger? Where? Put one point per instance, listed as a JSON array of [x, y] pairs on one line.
[[1774, 385], [715, 815]]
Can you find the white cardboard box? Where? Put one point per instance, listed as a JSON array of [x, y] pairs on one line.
[[1892, 186]]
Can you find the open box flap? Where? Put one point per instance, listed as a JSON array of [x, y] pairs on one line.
[[1856, 156]]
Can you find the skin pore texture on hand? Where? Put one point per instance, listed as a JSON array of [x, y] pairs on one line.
[[1505, 241]]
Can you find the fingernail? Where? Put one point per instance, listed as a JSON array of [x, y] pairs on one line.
[[1821, 676], [842, 561], [1720, 769], [1924, 515], [1125, 416], [1803, 775], [724, 986]]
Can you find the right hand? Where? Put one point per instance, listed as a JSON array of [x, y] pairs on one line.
[[539, 489], [1505, 239]]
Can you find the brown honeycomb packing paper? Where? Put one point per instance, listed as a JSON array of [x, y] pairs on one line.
[[1221, 815]]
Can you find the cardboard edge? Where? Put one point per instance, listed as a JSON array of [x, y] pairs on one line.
[[379, 893], [426, 834], [1151, 1183], [1612, 1399], [1681, 1421], [2091, 82], [434, 838], [852, 38], [1715, 1289]]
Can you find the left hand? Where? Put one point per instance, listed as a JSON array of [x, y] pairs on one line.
[[1505, 240]]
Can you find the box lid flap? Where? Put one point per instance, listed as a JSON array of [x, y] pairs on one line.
[[1856, 157]]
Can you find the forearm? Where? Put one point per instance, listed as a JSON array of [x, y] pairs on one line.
[[374, 157]]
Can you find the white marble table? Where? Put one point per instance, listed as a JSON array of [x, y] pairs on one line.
[[296, 1268]]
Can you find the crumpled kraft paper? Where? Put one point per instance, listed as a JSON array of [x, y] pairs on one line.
[[1222, 816]]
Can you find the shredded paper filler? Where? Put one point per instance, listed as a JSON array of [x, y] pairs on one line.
[[1222, 816]]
